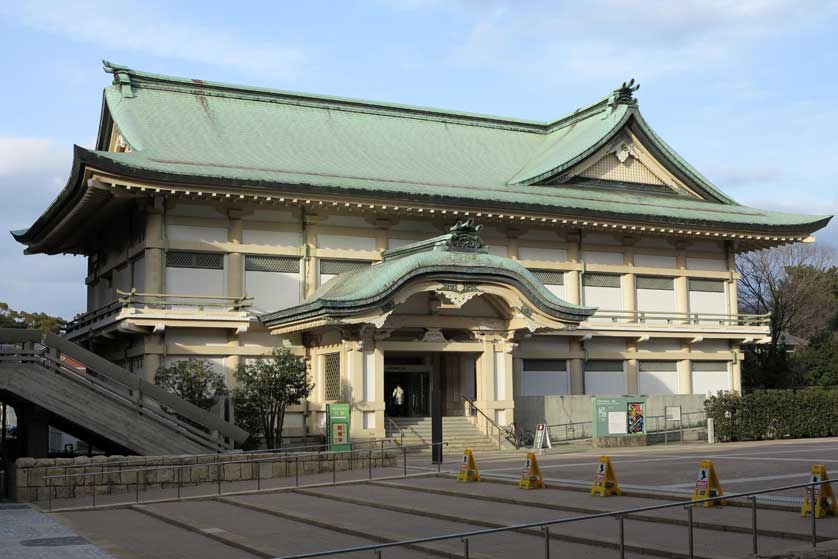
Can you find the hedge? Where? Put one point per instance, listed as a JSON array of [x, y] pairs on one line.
[[774, 414]]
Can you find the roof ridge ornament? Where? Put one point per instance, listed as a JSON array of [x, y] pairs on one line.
[[624, 95], [464, 236], [121, 77]]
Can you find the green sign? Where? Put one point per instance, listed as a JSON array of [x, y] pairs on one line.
[[337, 426], [620, 416]]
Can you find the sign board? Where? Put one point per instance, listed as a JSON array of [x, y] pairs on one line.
[[824, 497], [468, 468], [337, 427], [531, 477], [542, 435], [605, 482], [673, 413], [618, 417], [707, 484]]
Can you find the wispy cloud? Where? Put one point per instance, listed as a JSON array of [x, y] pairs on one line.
[[609, 37], [131, 26]]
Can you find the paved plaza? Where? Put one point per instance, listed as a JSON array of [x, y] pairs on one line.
[[316, 516]]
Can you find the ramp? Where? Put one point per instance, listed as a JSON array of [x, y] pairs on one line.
[[87, 396]]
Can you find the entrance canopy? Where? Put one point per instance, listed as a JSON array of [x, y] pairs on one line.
[[444, 275]]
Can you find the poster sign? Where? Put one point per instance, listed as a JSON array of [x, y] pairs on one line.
[[673, 413], [635, 418], [337, 426]]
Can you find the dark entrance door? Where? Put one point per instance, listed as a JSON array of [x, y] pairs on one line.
[[415, 385]]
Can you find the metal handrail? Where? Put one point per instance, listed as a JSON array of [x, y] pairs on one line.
[[238, 303], [619, 514], [488, 419], [396, 425], [277, 451], [570, 426]]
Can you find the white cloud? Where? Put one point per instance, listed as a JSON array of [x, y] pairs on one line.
[[22, 156], [136, 27], [612, 37]]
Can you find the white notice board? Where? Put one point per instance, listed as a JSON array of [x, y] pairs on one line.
[[617, 423]]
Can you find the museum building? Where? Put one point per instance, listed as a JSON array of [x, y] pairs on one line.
[[456, 254]]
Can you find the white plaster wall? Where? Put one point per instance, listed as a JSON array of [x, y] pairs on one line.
[[542, 254], [396, 243], [557, 290], [658, 382], [345, 242], [545, 383], [604, 298], [653, 242], [500, 376], [605, 382], [196, 336], [710, 382], [605, 345], [544, 343], [271, 238], [708, 264], [706, 302], [193, 233], [195, 281], [260, 214], [660, 345], [498, 249], [369, 420], [369, 377], [600, 257], [654, 261], [194, 210], [711, 346], [272, 291], [600, 239], [656, 300]]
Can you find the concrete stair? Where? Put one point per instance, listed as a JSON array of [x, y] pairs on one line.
[[459, 432]]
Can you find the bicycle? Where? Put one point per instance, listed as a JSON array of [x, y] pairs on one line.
[[521, 438]]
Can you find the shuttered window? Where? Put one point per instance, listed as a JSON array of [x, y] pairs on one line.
[[549, 277], [651, 282], [709, 366], [331, 375], [657, 366], [601, 280], [601, 365], [707, 285], [201, 260], [334, 267], [272, 264]]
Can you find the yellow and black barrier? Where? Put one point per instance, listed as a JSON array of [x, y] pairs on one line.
[[468, 468], [824, 497], [707, 484], [605, 481], [531, 477]]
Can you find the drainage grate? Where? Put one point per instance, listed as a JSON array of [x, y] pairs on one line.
[[55, 542]]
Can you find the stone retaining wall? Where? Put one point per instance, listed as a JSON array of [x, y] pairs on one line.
[[119, 474]]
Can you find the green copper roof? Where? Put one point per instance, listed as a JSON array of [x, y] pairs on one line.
[[195, 132], [458, 256]]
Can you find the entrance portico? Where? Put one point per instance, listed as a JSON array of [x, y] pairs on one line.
[[443, 315]]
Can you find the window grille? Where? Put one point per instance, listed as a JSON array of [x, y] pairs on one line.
[[334, 267], [285, 264], [532, 365], [709, 366], [203, 260], [658, 366], [331, 374], [601, 280], [707, 285], [603, 366], [646, 282], [549, 277], [631, 170]]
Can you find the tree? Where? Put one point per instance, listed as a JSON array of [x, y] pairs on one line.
[[10, 318], [791, 284], [266, 387], [194, 380]]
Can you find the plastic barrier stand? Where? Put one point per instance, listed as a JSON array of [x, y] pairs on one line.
[[531, 477], [468, 468], [824, 497], [605, 481], [707, 484]]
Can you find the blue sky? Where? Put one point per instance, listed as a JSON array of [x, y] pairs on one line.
[[745, 91]]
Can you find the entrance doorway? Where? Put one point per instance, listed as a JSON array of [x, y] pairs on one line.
[[413, 374]]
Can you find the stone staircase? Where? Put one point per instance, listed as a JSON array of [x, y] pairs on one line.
[[459, 432]]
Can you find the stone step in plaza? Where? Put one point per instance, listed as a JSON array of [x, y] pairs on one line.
[[353, 511]]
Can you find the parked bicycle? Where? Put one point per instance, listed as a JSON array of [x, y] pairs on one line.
[[520, 437]]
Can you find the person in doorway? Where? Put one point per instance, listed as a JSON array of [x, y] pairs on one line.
[[398, 400]]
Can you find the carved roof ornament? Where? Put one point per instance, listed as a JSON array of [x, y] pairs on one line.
[[624, 95], [464, 235]]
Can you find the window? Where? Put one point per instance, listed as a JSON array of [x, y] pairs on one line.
[[602, 291], [284, 264], [272, 281], [195, 273], [657, 377], [601, 280], [553, 280], [331, 268], [655, 295], [707, 296], [202, 260], [331, 376], [604, 377]]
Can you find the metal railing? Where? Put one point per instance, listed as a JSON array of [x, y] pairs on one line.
[[664, 317], [581, 430], [48, 351], [543, 527], [392, 424], [491, 426], [330, 456]]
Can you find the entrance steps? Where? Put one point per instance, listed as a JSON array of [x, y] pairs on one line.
[[458, 431]]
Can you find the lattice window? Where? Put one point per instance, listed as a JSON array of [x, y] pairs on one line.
[[657, 366], [549, 277], [549, 365], [334, 267], [604, 366], [648, 282], [709, 366], [203, 260], [632, 170], [707, 285], [601, 280], [331, 376], [285, 264]]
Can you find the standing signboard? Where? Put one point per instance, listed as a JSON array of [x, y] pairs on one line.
[[337, 426], [619, 421], [542, 435]]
